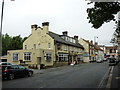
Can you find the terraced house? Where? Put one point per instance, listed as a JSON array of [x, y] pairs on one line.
[[44, 47]]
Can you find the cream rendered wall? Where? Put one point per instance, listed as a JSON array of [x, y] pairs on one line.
[[40, 36], [34, 55], [86, 49]]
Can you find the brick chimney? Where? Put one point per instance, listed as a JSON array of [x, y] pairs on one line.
[[76, 38], [45, 26], [34, 26]]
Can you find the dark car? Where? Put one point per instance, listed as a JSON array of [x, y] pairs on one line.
[[13, 71], [112, 61]]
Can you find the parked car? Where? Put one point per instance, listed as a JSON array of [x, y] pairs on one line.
[[5, 63], [112, 61], [105, 59], [13, 71], [99, 61]]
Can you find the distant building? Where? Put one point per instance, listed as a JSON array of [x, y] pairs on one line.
[[99, 52], [89, 54], [3, 58], [92, 52], [111, 51]]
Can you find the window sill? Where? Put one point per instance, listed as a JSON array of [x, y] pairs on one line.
[[27, 60], [15, 60]]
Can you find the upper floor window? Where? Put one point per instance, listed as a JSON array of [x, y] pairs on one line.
[[27, 56], [65, 47], [38, 45], [49, 46], [110, 51], [73, 41], [34, 46], [15, 56], [25, 46]]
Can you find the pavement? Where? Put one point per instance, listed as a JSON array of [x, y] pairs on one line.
[[115, 81]]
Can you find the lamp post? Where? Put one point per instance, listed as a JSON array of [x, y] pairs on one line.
[[95, 37], [1, 28]]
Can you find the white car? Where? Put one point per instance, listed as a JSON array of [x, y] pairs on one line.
[[99, 61]]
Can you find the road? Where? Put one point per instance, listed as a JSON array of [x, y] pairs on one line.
[[89, 75]]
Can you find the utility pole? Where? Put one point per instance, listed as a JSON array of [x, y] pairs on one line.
[[1, 30]]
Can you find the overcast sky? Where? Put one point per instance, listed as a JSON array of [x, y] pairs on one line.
[[63, 15]]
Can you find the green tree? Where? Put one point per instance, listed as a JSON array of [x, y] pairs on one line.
[[105, 12], [6, 43], [102, 12], [11, 43], [16, 43]]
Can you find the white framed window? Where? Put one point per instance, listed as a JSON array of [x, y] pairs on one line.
[[27, 56], [49, 45], [73, 40], [70, 39], [34, 46], [65, 47], [48, 56], [15, 56], [25, 46], [38, 45], [63, 57]]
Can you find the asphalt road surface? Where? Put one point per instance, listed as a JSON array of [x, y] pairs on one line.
[[89, 75]]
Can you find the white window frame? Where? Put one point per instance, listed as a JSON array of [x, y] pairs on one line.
[[25, 46], [63, 57], [38, 45], [65, 47], [17, 56], [48, 55], [34, 46], [49, 45], [28, 55]]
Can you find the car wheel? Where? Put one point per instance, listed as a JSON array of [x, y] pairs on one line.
[[30, 74], [11, 76]]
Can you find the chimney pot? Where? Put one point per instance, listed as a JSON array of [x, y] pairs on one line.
[[45, 24], [34, 26], [65, 33]]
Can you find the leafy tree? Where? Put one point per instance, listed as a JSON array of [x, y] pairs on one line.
[[105, 12], [16, 43], [11, 43], [102, 12], [6, 43]]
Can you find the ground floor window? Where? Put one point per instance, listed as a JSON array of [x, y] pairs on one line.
[[63, 57], [48, 56], [15, 56], [27, 56], [80, 57]]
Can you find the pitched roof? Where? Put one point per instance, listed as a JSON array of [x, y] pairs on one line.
[[57, 38]]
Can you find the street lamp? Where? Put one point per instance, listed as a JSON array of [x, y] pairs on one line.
[[1, 28], [95, 38]]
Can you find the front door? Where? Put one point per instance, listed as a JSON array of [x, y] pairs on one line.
[[38, 60]]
